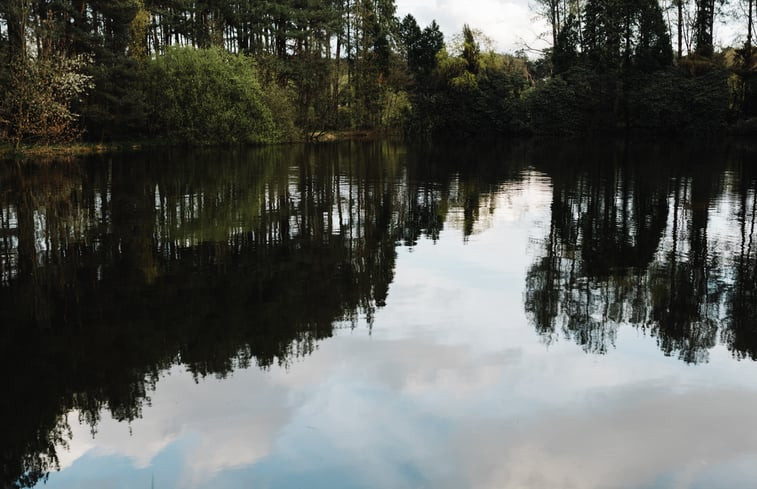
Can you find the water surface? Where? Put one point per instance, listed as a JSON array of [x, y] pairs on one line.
[[379, 315]]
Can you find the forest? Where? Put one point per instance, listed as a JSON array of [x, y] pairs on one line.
[[205, 72]]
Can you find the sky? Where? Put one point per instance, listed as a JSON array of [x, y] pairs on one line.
[[511, 24]]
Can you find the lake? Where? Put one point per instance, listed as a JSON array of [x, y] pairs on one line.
[[537, 314]]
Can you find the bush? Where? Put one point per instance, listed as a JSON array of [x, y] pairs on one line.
[[207, 96], [37, 105], [561, 105], [666, 101], [283, 111], [671, 102]]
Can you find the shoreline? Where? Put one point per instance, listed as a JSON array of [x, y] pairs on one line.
[[744, 130], [77, 149]]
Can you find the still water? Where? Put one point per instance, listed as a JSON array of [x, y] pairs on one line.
[[374, 315]]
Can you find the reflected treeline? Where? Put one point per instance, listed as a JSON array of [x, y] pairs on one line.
[[659, 238], [112, 271]]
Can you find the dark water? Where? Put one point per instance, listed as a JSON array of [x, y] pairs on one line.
[[382, 316]]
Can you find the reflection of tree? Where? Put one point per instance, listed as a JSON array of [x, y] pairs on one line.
[[111, 276], [113, 271], [628, 243], [465, 178], [741, 336], [606, 223], [686, 287]]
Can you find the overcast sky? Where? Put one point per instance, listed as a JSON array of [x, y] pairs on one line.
[[512, 24], [509, 23]]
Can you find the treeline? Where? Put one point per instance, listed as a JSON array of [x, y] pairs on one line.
[[247, 71]]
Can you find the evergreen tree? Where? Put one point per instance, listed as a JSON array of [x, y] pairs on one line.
[[703, 27], [565, 54], [471, 50], [653, 49]]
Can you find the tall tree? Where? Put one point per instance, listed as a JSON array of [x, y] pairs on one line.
[[703, 27], [471, 50]]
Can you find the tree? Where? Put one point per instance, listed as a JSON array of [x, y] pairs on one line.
[[653, 50], [622, 34], [471, 50], [420, 47], [565, 54], [37, 106], [703, 27]]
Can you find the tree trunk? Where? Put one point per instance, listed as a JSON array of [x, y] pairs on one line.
[[336, 77], [748, 47], [17, 15], [680, 28]]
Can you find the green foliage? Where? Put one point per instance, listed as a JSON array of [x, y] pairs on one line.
[[560, 105], [311, 80], [279, 99], [653, 50], [420, 46], [663, 102], [207, 96], [396, 106], [671, 102], [565, 54], [461, 104], [620, 35], [471, 50], [117, 107], [330, 65]]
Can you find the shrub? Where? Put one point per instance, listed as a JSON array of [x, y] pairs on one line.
[[671, 102], [207, 96], [561, 105], [37, 106], [283, 111]]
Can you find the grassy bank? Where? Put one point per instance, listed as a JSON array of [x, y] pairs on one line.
[[77, 149], [45, 151]]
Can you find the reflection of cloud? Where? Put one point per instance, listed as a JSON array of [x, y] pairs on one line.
[[408, 413], [221, 423], [502, 421], [632, 444]]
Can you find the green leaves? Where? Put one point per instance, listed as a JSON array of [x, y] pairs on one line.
[[207, 96]]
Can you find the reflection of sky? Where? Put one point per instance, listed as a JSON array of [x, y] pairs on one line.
[[453, 388]]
